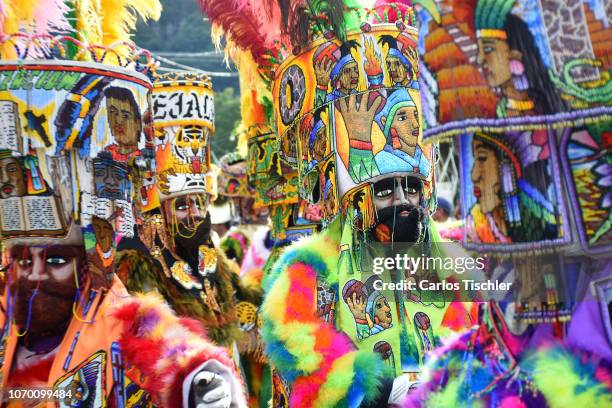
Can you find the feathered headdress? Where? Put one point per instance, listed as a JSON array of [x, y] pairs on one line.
[[490, 17], [241, 26], [106, 22], [30, 18], [254, 25], [118, 18], [26, 26]]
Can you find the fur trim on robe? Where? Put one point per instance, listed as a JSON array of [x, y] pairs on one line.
[[165, 348]]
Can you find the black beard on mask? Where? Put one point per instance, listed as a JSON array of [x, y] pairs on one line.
[[50, 310], [393, 227], [187, 241]]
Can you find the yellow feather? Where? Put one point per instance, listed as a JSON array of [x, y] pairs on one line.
[[18, 16], [108, 22], [88, 21], [119, 17]]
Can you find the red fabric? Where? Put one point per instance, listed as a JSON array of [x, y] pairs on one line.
[[194, 326], [155, 357], [33, 375], [357, 144]]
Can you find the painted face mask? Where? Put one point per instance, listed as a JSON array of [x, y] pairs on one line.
[[359, 124], [73, 136]]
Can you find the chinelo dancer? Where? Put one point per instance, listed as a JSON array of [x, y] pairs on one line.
[[184, 265], [79, 135], [353, 135]]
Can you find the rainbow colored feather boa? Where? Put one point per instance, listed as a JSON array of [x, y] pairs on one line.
[[321, 364]]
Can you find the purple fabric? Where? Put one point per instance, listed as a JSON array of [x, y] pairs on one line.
[[587, 330]]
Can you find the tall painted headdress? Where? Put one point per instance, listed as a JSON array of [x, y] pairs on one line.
[[75, 135], [273, 181], [322, 60], [183, 114], [348, 114], [183, 118]]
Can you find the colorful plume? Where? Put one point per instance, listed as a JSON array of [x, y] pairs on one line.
[[119, 17], [372, 57], [242, 30], [31, 18]]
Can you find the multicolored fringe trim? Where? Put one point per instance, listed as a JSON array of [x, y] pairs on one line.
[[164, 347]]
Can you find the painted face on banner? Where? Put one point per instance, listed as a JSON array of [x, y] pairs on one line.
[[12, 183], [69, 178], [124, 118], [511, 194]]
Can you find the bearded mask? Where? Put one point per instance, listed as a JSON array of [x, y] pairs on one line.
[[175, 198]]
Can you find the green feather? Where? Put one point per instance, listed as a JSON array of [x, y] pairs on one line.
[[579, 388], [503, 13], [492, 13]]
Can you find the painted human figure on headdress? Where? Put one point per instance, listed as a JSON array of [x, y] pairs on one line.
[[369, 307], [124, 120], [12, 180], [329, 189], [511, 62], [379, 311], [402, 60], [317, 140], [110, 177], [355, 296], [511, 184], [335, 65], [398, 118]]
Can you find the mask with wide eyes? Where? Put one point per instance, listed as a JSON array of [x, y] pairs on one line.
[[191, 136], [185, 205], [386, 188], [56, 260], [51, 260]]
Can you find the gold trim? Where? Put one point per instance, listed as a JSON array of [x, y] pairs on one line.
[[517, 105], [492, 33]]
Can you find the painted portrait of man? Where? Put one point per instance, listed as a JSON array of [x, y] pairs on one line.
[[12, 183], [124, 119], [110, 177]]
